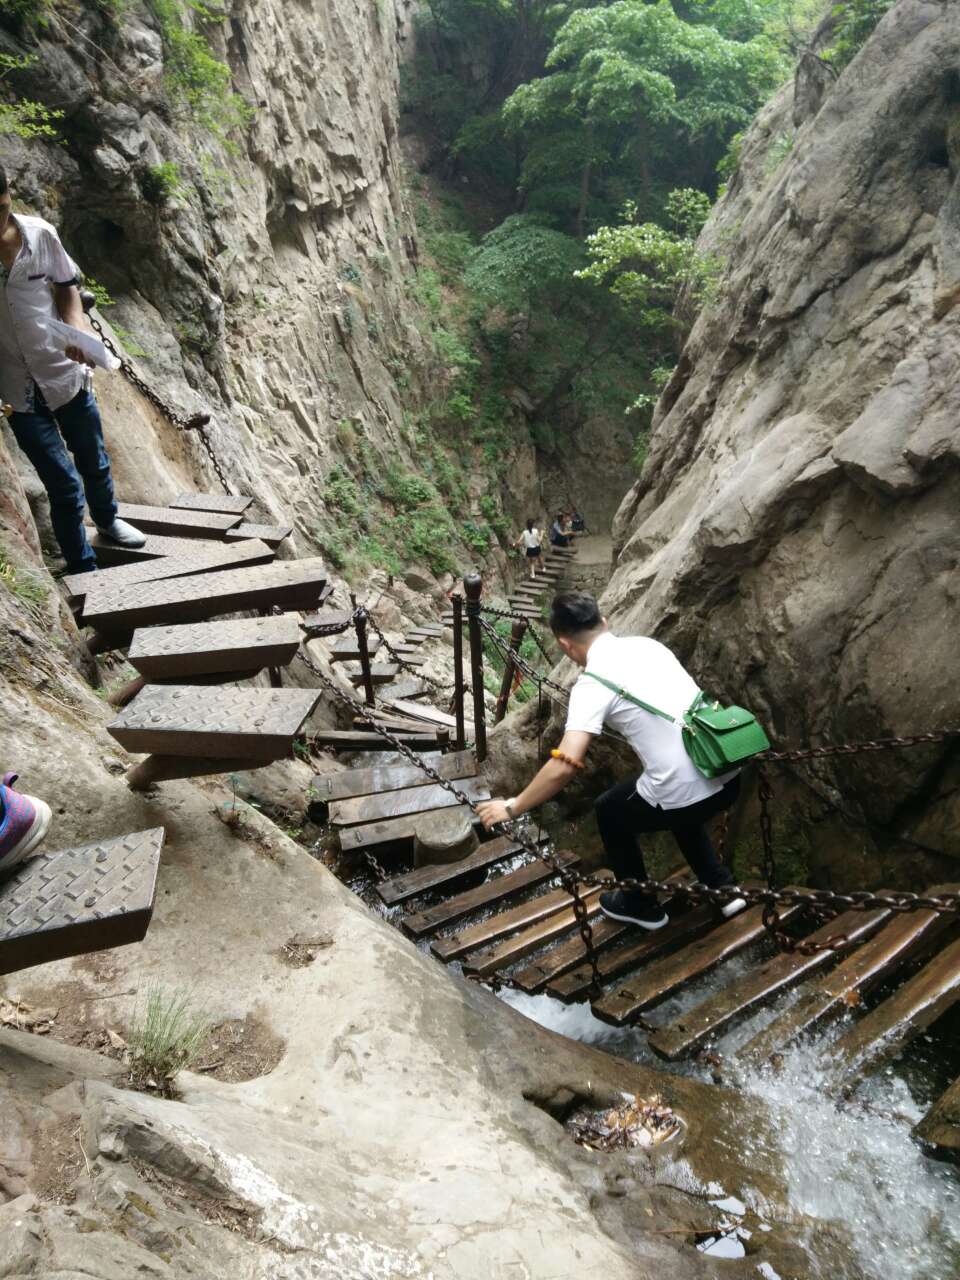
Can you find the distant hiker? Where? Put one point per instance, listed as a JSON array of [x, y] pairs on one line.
[[23, 824], [558, 536], [670, 795], [531, 538], [49, 385], [577, 522]]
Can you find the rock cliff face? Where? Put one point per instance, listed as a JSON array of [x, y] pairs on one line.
[[794, 534]]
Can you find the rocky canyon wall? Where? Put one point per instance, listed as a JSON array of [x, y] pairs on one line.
[[794, 534]]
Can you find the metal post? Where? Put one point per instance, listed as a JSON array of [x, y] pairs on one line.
[[364, 651], [473, 588], [518, 631], [458, 694]]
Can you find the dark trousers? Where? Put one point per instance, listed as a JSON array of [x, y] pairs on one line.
[[44, 436], [622, 815]]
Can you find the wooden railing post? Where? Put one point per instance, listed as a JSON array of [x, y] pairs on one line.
[[472, 589], [364, 651], [518, 631], [457, 601]]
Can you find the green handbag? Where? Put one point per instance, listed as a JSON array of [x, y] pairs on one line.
[[717, 739]]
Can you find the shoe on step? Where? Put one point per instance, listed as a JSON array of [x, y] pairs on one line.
[[733, 907], [23, 825], [125, 535], [633, 908]]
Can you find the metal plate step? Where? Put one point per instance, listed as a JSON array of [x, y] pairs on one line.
[[226, 503], [110, 553], [72, 901], [380, 673], [346, 650], [181, 524], [198, 720], [208, 557], [205, 648], [291, 584], [271, 534]]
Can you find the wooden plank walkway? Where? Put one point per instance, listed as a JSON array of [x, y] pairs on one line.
[[502, 954], [397, 830], [384, 778], [356, 740], [495, 890], [424, 879], [843, 987], [763, 984], [939, 1130], [400, 803], [888, 1028]]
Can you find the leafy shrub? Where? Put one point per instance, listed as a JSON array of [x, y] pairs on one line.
[[341, 491], [23, 118], [476, 536], [195, 79], [161, 182], [855, 21]]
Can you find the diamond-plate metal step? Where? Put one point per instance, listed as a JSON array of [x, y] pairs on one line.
[[271, 534], [110, 553], [73, 901], [204, 648], [208, 557], [226, 503], [195, 720], [346, 650], [292, 584], [181, 524]]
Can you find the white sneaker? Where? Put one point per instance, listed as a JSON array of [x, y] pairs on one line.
[[733, 907], [124, 534]]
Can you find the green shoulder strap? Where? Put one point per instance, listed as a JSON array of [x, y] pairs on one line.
[[630, 698]]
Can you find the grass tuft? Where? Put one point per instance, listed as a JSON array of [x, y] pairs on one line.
[[167, 1037]]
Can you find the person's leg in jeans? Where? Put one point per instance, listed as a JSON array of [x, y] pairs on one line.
[[38, 436], [79, 422]]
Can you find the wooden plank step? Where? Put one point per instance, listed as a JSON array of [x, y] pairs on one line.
[[226, 503], [197, 720], [421, 634], [420, 923], [888, 1028], [205, 648], [410, 688], [939, 1130], [180, 524], [408, 800], [843, 986], [291, 584], [758, 987], [357, 740], [346, 650], [409, 659], [416, 711], [380, 673], [110, 553], [207, 557], [396, 830], [503, 954], [387, 777], [659, 980], [572, 953], [70, 902], [271, 534], [498, 926], [568, 955], [405, 650], [410, 884]]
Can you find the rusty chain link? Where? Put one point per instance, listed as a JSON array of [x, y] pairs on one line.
[[198, 422]]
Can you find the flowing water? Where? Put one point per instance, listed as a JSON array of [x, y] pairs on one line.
[[852, 1164]]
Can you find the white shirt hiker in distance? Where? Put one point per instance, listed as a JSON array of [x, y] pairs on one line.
[[532, 538], [648, 670], [30, 351]]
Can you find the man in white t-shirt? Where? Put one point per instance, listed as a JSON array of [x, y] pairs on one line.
[[669, 795]]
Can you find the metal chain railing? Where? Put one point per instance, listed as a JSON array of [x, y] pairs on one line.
[[198, 422], [402, 663], [567, 879]]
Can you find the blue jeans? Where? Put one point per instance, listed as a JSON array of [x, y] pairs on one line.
[[44, 437]]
